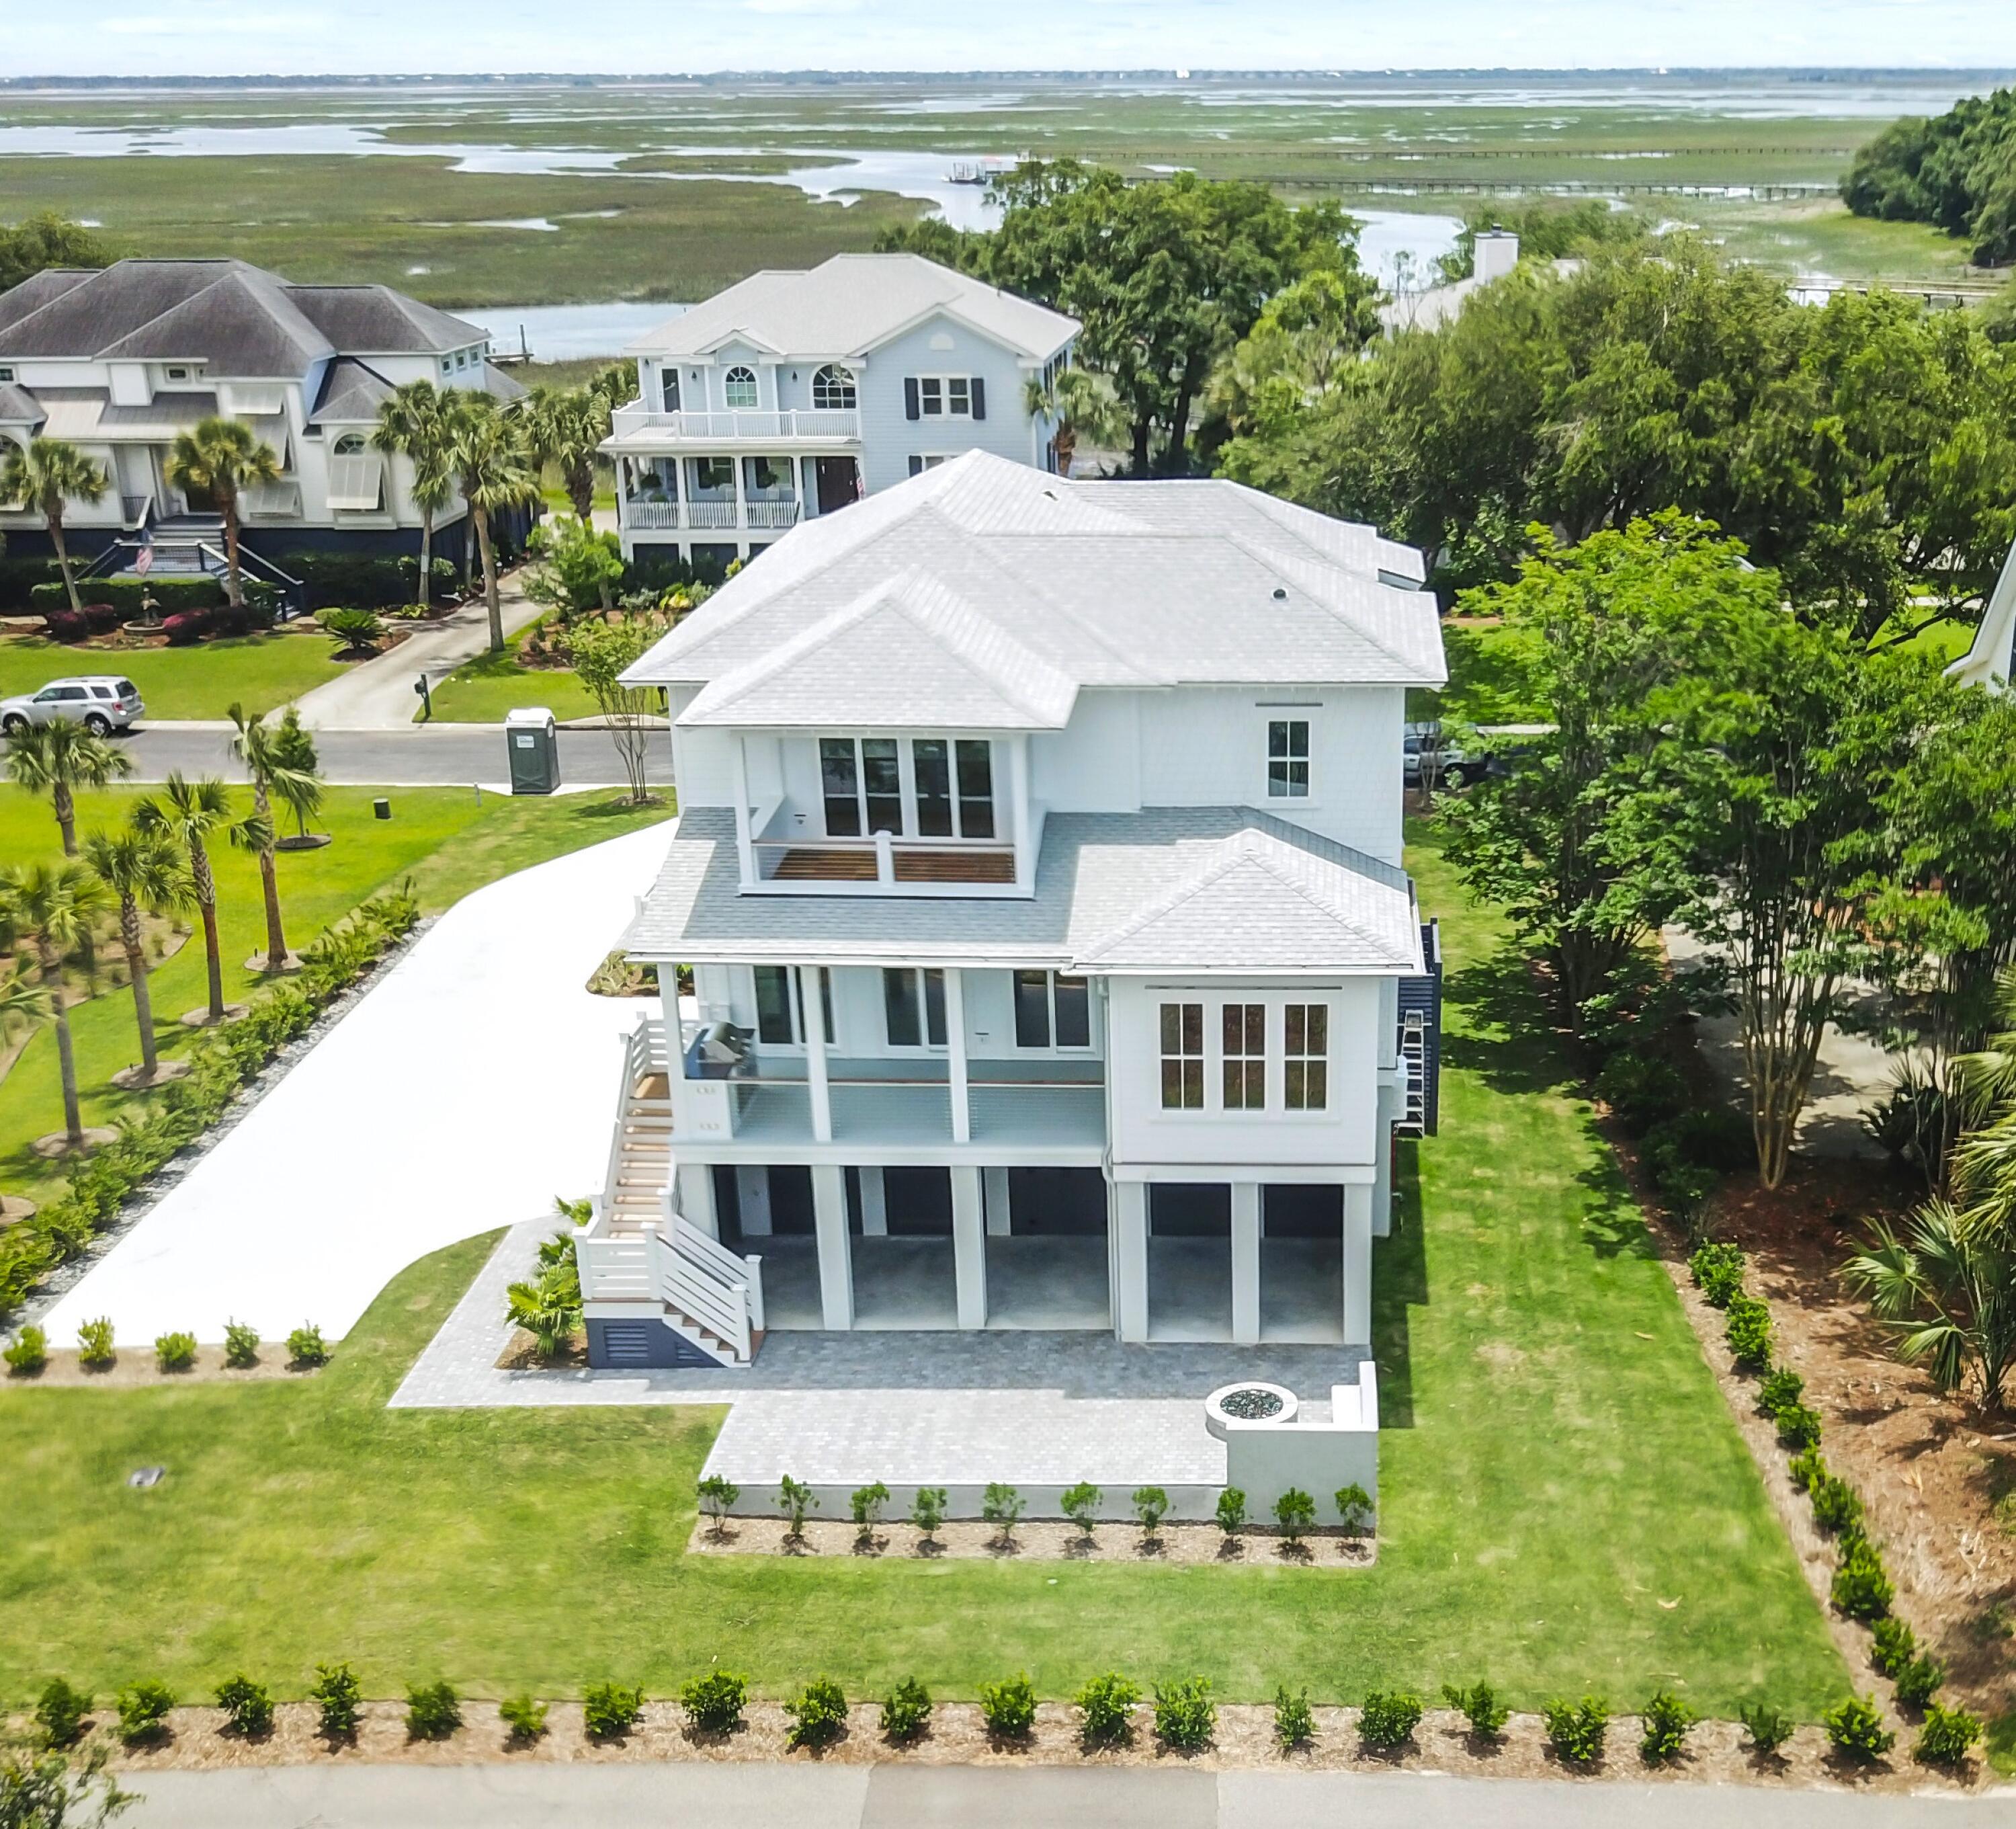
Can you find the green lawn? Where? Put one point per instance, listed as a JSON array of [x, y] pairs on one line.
[[1567, 1503], [492, 684], [260, 671], [447, 841]]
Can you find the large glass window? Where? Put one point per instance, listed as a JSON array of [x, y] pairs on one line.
[[833, 388], [914, 1006], [840, 781], [1245, 1056], [767, 479], [1305, 1072], [714, 478], [976, 788], [738, 389], [773, 1005], [1182, 1057], [882, 780], [1074, 1005], [931, 762], [1288, 759], [1032, 1009], [1051, 1007], [862, 781]]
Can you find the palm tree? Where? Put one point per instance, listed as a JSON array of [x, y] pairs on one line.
[[1083, 402], [1984, 1159], [44, 475], [51, 907], [220, 457], [1948, 1290], [495, 473], [257, 746], [57, 759], [191, 814], [418, 422], [142, 867], [565, 427]]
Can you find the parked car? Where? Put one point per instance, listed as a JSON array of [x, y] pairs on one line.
[[101, 702], [1454, 767]]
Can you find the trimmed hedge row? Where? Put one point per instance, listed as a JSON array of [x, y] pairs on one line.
[[124, 596], [221, 1063]]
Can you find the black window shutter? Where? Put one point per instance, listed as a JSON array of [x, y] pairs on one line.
[[910, 408], [916, 466], [979, 397]]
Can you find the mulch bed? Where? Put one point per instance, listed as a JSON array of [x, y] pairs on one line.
[[1033, 1540]]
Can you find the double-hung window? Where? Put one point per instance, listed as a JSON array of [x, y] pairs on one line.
[[1287, 758], [955, 787], [1053, 1008], [1182, 1057], [1244, 1027], [944, 396], [780, 1010], [861, 783], [914, 1003], [1306, 1067]]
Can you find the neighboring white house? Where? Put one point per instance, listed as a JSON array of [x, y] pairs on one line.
[[1992, 661], [1038, 871], [792, 394], [118, 360]]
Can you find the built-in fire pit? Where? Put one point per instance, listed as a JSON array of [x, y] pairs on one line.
[[1249, 1403], [1252, 1402]]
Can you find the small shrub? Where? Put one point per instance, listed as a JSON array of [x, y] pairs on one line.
[[1947, 1737], [1768, 1728], [717, 1494], [1185, 1717], [906, 1711], [1807, 1466], [1717, 1273], [866, 1503], [1781, 1388], [526, 1719], [794, 1499], [1920, 1680], [27, 1353], [1748, 1330], [189, 628], [1666, 1720], [1862, 1587], [1389, 1718], [1151, 1505], [1577, 1730], [175, 1352], [1231, 1511], [1836, 1508], [1105, 1706], [1002, 1506], [1895, 1645], [1799, 1428], [1294, 1511], [241, 1345], [1295, 1725], [1487, 1715], [143, 1712], [248, 1706], [927, 1510], [1008, 1707], [818, 1713], [305, 1348], [339, 1696], [434, 1710], [353, 631], [1354, 1507], [61, 1712], [1081, 1503], [1641, 1089], [1854, 1730], [609, 1711], [713, 1703], [94, 1344]]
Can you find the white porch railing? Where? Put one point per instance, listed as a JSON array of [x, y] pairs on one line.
[[773, 514], [830, 426], [711, 513], [651, 514]]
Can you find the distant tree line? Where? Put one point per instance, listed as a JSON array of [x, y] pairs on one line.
[[1956, 171]]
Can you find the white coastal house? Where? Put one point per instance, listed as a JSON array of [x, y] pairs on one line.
[[1991, 661], [792, 394], [1052, 964], [119, 360]]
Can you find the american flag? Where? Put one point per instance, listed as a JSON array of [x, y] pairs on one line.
[[143, 561]]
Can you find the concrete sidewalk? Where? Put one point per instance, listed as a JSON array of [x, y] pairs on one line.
[[807, 1796]]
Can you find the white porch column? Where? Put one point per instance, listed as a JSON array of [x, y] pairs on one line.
[[1130, 1227], [1358, 1263], [752, 1195], [969, 1246], [1018, 780], [835, 1260], [812, 1021], [962, 1104], [874, 1202], [696, 1197], [994, 1185], [744, 837], [1392, 1102], [1246, 1263]]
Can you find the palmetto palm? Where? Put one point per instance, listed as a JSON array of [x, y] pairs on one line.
[[1984, 1161], [1085, 406], [220, 457], [143, 869], [44, 475], [274, 777], [1948, 1289], [565, 427], [192, 813], [419, 423], [495, 470], [51, 907], [57, 758]]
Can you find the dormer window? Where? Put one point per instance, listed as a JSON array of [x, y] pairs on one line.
[[448, 365], [833, 388], [738, 388]]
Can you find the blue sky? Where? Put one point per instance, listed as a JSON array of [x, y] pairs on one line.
[[194, 37]]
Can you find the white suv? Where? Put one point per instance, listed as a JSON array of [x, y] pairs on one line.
[[101, 702]]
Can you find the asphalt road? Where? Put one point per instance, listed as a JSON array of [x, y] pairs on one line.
[[804, 1796], [422, 756]]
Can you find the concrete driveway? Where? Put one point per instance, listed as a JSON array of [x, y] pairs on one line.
[[476, 1081]]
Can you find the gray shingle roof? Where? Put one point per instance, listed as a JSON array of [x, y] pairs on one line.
[[375, 320], [846, 305], [1208, 890], [19, 407], [1113, 584], [351, 390]]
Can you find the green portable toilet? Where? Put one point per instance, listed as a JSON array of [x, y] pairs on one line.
[[533, 744]]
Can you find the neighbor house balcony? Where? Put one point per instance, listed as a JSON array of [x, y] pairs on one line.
[[639, 427]]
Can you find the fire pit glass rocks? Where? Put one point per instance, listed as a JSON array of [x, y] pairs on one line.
[[1250, 1403]]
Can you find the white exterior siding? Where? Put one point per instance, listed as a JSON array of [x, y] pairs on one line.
[[940, 346]]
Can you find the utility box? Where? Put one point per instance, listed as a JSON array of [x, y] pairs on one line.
[[532, 741]]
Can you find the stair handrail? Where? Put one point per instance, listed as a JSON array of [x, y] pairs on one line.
[[103, 563], [723, 1311], [251, 559]]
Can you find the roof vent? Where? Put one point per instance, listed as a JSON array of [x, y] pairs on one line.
[[1280, 596]]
